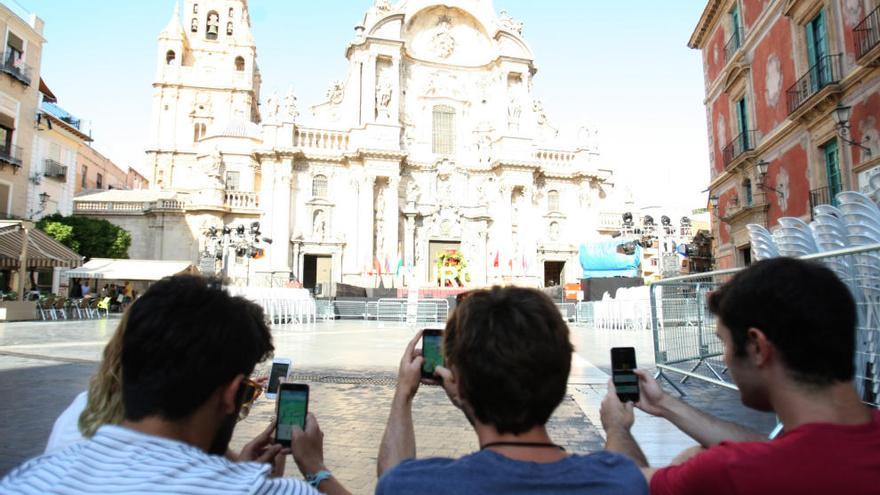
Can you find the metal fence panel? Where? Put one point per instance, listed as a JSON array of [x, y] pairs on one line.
[[684, 329]]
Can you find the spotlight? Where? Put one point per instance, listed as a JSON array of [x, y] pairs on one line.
[[239, 230], [665, 221]]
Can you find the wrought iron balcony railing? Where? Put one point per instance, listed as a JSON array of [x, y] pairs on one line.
[[55, 169], [10, 154], [825, 72], [733, 44], [822, 196], [13, 64], [867, 33], [742, 143]]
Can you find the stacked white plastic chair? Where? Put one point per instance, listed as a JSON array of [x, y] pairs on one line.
[[862, 217], [794, 238], [763, 244]]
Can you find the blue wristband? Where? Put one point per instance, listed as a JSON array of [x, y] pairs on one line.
[[317, 478]]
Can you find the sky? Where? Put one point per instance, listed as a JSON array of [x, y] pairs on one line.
[[621, 66]]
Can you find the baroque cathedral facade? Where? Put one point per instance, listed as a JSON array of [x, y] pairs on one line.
[[432, 143]]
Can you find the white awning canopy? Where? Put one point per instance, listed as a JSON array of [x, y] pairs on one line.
[[149, 270]]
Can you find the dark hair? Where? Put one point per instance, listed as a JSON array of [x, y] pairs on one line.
[[185, 337], [803, 309], [512, 354]]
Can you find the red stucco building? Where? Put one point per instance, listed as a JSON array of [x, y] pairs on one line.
[[777, 72]]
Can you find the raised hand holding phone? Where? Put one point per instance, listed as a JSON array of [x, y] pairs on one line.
[[280, 373], [292, 408], [432, 352]]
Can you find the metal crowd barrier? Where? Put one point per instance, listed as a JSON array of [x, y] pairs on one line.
[[426, 310], [584, 313], [568, 311], [614, 314], [350, 310], [684, 329]]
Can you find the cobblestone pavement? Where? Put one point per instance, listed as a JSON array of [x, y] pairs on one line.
[[350, 367]]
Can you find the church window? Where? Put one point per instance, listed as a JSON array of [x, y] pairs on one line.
[[232, 181], [170, 56], [444, 130], [319, 186], [99, 181], [199, 131], [228, 29], [553, 201], [194, 25], [239, 64], [231, 12], [212, 28], [195, 8]]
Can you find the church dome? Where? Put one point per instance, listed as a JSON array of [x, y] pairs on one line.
[[234, 129]]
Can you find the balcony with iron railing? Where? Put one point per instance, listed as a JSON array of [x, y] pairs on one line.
[[54, 169], [13, 64], [826, 72], [867, 38], [11, 155], [822, 196], [733, 45], [737, 148]]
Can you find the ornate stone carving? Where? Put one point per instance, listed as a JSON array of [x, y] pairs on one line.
[[444, 84], [382, 6], [336, 92], [384, 92], [291, 112], [413, 191], [514, 112], [510, 24], [484, 149], [273, 107], [319, 224], [443, 43]]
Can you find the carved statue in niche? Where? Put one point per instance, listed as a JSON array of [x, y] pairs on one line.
[[540, 113], [484, 149], [336, 92], [510, 24], [443, 43], [514, 108], [384, 92], [413, 191], [214, 171], [554, 231], [319, 225], [290, 107]]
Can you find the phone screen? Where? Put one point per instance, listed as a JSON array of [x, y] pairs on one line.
[[623, 364], [432, 341], [279, 371], [293, 405]]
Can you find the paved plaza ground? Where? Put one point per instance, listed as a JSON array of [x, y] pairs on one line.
[[351, 368]]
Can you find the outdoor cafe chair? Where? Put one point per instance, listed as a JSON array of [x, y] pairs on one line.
[[854, 197]]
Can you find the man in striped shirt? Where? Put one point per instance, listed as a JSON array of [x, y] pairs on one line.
[[187, 350]]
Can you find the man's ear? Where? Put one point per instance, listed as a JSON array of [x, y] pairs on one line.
[[228, 394], [760, 350]]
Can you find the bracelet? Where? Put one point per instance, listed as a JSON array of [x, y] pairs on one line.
[[315, 479]]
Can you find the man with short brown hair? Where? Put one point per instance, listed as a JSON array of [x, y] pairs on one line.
[[508, 356]]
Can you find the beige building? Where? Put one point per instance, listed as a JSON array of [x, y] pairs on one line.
[[52, 174], [433, 141], [95, 172], [19, 103]]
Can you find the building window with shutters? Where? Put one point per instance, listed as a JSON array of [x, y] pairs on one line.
[[444, 130], [99, 182]]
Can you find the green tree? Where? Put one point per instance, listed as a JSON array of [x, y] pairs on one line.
[[90, 237]]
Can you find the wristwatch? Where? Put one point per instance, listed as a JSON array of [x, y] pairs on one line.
[[317, 478]]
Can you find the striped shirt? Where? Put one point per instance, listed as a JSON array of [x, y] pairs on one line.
[[118, 460]]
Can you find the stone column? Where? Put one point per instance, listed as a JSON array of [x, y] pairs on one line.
[[392, 220], [280, 208], [366, 222], [368, 97], [409, 232], [394, 107]]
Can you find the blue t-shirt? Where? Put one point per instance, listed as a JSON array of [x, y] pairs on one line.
[[602, 473]]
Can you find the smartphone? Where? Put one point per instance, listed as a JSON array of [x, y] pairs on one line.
[[290, 409], [280, 372], [432, 351], [623, 364]]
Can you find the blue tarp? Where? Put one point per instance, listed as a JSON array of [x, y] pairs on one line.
[[601, 259]]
